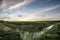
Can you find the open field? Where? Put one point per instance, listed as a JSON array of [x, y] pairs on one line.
[[48, 30]]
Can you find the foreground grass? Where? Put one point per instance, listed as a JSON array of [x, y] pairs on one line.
[[19, 28]]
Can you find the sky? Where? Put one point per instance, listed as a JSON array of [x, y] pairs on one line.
[[29, 10]]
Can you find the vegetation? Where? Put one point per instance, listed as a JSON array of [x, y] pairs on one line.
[[20, 30]]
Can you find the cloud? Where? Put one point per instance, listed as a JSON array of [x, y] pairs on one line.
[[39, 17], [1, 1], [25, 2], [50, 8], [4, 4], [45, 9], [35, 16], [16, 4]]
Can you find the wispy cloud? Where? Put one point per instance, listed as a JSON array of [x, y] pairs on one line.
[[36, 15], [39, 17], [17, 5], [4, 4], [25, 2], [50, 8], [45, 9]]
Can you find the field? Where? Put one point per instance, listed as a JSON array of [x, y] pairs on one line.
[[47, 30]]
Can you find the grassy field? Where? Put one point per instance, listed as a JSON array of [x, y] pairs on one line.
[[48, 30]]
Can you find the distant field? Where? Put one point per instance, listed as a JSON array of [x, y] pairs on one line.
[[28, 30]]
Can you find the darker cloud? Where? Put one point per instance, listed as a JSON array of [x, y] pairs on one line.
[[1, 2]]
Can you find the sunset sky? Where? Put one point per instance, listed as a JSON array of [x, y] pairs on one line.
[[29, 10]]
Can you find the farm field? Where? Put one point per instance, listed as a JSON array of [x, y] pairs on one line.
[[44, 30]]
